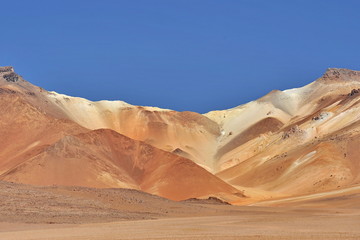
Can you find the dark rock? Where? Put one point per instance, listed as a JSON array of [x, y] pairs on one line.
[[285, 135], [292, 131], [11, 77], [353, 92], [209, 200]]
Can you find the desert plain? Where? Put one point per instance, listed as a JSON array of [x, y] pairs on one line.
[[29, 212]]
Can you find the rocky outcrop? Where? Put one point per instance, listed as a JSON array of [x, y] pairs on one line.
[[354, 92], [6, 69], [295, 130], [11, 77], [340, 74], [8, 74]]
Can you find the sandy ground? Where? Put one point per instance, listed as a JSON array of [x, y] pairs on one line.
[[250, 224], [64, 213]]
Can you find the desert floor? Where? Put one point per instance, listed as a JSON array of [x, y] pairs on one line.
[[251, 224], [82, 213]]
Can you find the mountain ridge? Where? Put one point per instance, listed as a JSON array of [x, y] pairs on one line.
[[266, 148]]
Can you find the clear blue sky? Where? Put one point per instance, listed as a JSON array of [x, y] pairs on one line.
[[196, 55]]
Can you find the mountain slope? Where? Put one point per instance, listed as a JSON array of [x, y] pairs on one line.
[[42, 145], [188, 134], [311, 150], [103, 158], [287, 143]]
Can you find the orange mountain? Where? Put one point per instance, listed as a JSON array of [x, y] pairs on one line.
[[285, 144], [43, 146]]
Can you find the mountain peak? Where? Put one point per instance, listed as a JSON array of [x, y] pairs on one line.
[[6, 69], [9, 74], [334, 74]]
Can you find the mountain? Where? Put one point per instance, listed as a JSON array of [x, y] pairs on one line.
[[287, 143], [298, 141], [44, 145]]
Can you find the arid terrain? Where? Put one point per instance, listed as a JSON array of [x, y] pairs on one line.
[[29, 212], [285, 166]]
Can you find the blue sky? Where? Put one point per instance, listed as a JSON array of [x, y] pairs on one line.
[[196, 55]]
